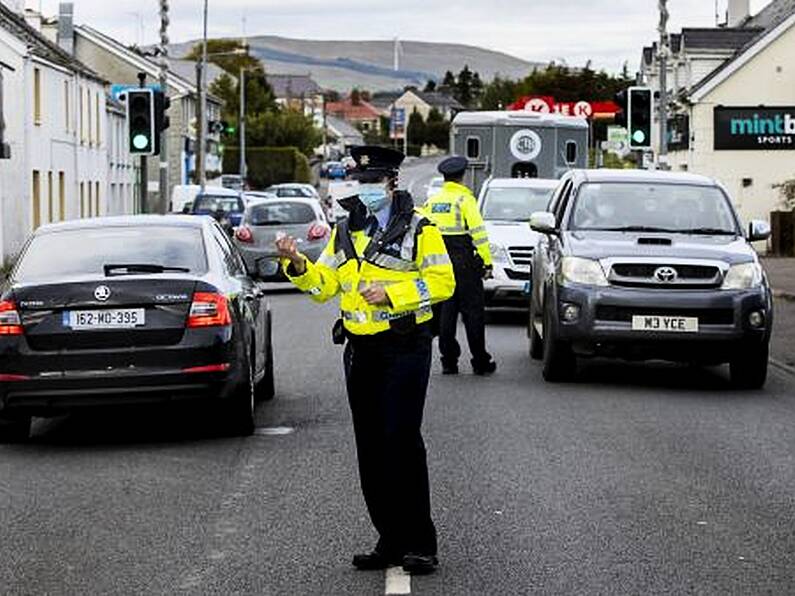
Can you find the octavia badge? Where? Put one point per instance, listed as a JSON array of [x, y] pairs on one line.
[[666, 275], [102, 293]]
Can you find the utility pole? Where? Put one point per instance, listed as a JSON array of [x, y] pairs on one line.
[[662, 157], [241, 129], [165, 193], [202, 116]]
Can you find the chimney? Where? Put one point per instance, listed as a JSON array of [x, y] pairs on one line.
[[739, 10], [66, 27], [33, 19]]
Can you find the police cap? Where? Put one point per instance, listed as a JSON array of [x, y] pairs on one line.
[[374, 163], [454, 166]]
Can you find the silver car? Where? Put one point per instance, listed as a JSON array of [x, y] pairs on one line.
[[506, 205], [264, 220]]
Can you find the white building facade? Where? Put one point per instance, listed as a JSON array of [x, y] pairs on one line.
[[742, 123], [57, 129]]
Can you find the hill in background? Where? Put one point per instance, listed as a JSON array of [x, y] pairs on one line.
[[342, 65]]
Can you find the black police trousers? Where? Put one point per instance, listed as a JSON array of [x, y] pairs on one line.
[[387, 379], [470, 302]]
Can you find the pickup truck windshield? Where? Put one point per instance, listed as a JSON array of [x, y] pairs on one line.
[[639, 207]]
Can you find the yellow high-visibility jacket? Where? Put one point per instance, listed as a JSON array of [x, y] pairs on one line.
[[410, 261], [455, 212]]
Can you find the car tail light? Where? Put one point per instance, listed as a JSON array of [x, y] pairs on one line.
[[209, 368], [317, 232], [244, 234], [209, 310], [4, 378], [10, 323]]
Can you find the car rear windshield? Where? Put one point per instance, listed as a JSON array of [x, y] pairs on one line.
[[212, 204], [274, 214], [515, 204], [625, 206], [85, 252], [292, 192]]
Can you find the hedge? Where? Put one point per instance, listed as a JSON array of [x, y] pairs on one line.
[[269, 165]]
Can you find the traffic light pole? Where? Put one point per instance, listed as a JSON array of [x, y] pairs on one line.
[[165, 195], [202, 117], [662, 156], [143, 187]]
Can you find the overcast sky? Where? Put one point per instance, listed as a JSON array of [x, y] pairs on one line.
[[609, 32]]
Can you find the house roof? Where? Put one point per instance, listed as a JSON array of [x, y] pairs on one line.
[[437, 99], [286, 85], [385, 99], [772, 14], [40, 46], [740, 59], [347, 110], [343, 128], [720, 38]]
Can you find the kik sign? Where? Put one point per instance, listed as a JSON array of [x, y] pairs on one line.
[[755, 128], [549, 105]]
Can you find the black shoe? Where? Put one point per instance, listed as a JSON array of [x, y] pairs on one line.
[[449, 369], [482, 370], [375, 560], [420, 564]]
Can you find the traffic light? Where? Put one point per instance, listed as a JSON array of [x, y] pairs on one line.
[[621, 100], [141, 129], [640, 104], [162, 121]]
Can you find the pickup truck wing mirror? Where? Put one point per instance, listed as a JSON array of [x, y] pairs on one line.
[[758, 230], [543, 222]]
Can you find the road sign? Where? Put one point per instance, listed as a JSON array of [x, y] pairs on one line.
[[617, 140], [397, 124]]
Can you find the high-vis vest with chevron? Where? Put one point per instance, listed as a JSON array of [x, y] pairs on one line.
[[455, 212], [408, 259]]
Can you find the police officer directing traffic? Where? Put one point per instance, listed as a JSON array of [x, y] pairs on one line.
[[455, 212], [388, 264]]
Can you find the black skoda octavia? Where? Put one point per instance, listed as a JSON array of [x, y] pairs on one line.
[[648, 265], [129, 310]]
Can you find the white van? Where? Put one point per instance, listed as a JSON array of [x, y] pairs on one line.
[[337, 191], [182, 195]]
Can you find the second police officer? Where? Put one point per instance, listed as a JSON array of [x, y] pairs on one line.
[[455, 212], [388, 265]]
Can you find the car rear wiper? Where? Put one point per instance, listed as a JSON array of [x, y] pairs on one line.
[[709, 232], [131, 268]]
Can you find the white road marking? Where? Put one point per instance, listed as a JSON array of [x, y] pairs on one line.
[[274, 431], [397, 581]]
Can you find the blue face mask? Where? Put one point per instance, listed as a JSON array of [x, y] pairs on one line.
[[373, 196]]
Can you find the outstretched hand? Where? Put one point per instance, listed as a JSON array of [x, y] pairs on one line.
[[288, 249]]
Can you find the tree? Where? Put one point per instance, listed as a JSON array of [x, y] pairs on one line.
[[416, 128], [229, 54], [449, 80], [463, 86], [430, 86], [284, 128], [356, 97]]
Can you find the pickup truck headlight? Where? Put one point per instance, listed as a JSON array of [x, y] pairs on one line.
[[583, 271], [743, 277], [499, 254]]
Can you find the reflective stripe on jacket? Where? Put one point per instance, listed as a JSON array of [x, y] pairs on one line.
[[455, 212], [414, 269]]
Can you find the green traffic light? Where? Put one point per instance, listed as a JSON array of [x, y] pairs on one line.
[[140, 142], [639, 137], [230, 130]]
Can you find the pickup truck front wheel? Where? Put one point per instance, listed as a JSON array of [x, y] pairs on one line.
[[749, 367], [560, 363]]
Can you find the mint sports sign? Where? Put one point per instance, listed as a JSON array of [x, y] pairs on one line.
[[754, 129]]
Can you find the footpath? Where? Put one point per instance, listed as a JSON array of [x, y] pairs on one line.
[[781, 273]]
